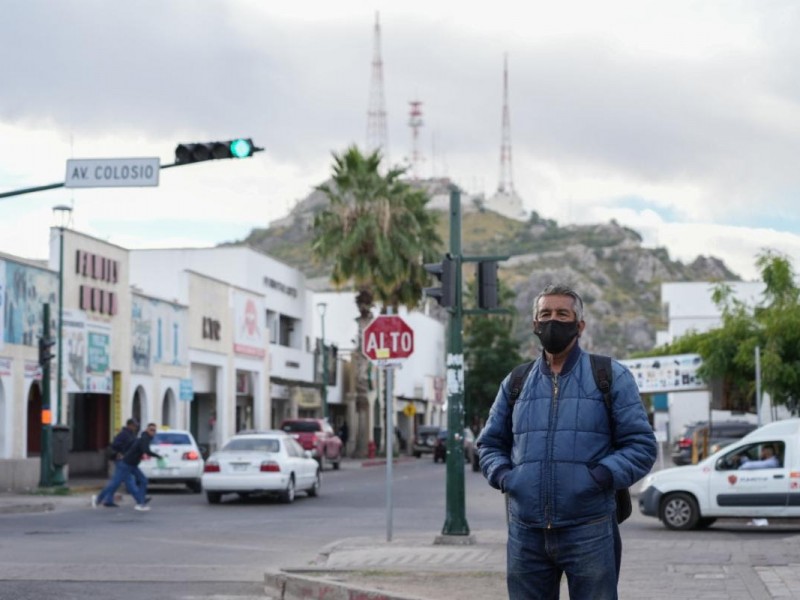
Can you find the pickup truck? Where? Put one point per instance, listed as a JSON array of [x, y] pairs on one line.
[[724, 485], [317, 436]]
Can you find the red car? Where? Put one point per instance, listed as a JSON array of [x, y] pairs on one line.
[[318, 436]]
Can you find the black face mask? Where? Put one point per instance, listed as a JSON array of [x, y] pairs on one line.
[[556, 335]]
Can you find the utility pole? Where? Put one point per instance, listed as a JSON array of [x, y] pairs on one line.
[[45, 343], [450, 296], [455, 515]]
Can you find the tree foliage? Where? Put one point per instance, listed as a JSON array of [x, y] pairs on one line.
[[378, 233], [377, 229], [773, 326]]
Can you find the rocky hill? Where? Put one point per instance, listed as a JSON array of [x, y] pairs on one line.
[[618, 278]]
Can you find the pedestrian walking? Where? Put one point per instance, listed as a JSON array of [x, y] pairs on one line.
[[131, 460], [116, 450], [344, 435], [559, 453]]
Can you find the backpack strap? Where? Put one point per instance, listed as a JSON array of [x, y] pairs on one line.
[[518, 377], [601, 370]]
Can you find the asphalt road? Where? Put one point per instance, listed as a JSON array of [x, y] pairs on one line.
[[185, 548]]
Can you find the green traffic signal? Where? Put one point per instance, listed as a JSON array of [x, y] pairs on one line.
[[241, 148], [200, 152]]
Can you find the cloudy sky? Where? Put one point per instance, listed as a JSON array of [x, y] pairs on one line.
[[680, 119]]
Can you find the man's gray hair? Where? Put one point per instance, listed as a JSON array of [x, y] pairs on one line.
[[561, 290]]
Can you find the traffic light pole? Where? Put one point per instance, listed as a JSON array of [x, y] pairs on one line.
[[455, 523], [46, 469], [251, 149]]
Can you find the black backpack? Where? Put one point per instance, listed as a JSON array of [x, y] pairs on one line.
[[601, 369]]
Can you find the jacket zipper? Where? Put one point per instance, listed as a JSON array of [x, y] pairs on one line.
[[553, 412]]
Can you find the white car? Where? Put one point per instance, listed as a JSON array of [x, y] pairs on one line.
[[264, 462], [182, 462]]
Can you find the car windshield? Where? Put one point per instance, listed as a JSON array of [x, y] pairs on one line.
[[168, 438], [301, 427], [253, 445]]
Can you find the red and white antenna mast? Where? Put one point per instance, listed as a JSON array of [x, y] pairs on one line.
[[377, 138], [506, 184], [415, 122]]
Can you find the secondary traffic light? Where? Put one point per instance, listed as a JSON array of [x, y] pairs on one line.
[[486, 272], [445, 272], [45, 355], [192, 153]]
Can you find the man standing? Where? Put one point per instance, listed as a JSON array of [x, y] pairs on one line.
[[344, 435], [559, 456]]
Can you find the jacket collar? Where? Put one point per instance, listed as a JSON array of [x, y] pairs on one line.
[[572, 359]]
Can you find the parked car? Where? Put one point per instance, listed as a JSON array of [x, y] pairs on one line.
[[467, 439], [318, 436], [693, 497], [722, 433], [424, 440], [257, 463], [182, 461]]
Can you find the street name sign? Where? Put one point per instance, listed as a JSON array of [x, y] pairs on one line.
[[388, 337], [112, 172]]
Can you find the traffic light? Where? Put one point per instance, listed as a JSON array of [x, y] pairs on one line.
[[45, 355], [486, 272], [445, 272], [192, 153]]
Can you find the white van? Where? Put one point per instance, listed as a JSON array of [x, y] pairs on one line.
[[724, 485]]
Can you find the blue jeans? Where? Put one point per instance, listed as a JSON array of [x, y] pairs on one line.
[[587, 553], [123, 473]]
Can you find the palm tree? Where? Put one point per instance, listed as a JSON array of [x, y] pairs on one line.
[[378, 234]]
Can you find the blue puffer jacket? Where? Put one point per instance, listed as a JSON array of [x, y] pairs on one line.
[[561, 433]]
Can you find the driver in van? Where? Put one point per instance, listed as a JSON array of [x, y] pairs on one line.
[[768, 460]]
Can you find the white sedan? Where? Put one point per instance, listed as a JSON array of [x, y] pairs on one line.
[[254, 463], [181, 460]]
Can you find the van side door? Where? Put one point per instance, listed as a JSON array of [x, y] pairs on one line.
[[737, 490]]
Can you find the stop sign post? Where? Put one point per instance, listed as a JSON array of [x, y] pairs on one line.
[[388, 338]]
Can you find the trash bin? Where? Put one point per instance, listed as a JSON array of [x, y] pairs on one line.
[[60, 445]]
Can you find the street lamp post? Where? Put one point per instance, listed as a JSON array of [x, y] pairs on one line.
[[321, 307], [64, 213]]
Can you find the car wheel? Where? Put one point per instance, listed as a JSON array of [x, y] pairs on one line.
[[196, 486], [313, 491], [213, 497], [679, 511], [287, 495]]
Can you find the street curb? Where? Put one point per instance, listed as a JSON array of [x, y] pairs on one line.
[[27, 508], [376, 462], [296, 585]]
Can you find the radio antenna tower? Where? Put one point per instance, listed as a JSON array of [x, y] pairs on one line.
[[377, 138], [506, 185], [415, 122]]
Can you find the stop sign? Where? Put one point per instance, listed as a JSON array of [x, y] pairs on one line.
[[388, 337]]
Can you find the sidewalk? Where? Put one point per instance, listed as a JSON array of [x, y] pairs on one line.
[[427, 567]]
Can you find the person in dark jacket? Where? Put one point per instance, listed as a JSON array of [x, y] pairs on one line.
[[555, 457], [130, 466], [121, 443]]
